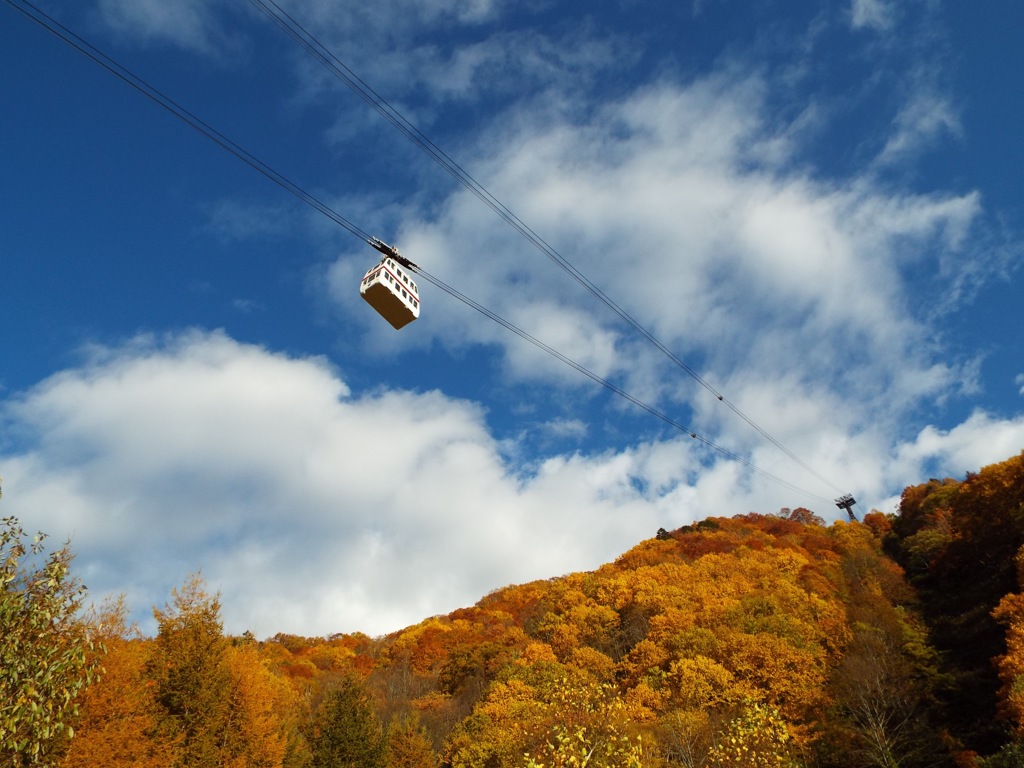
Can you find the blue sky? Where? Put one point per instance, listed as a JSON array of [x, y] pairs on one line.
[[816, 206]]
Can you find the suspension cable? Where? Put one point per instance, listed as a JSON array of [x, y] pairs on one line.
[[52, 26], [321, 53], [609, 385], [55, 28]]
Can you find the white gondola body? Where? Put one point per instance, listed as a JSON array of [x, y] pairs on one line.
[[390, 289]]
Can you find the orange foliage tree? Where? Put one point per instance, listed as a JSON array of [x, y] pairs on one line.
[[118, 722]]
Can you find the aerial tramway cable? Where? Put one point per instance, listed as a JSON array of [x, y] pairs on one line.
[[325, 56], [610, 386], [55, 28]]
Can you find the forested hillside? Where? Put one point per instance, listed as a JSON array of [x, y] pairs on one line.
[[960, 545], [757, 640]]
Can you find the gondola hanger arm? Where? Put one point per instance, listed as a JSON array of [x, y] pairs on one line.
[[392, 252]]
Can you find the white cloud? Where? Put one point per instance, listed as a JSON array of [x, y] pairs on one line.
[[400, 16], [486, 59], [873, 14], [575, 428], [189, 24], [667, 201], [977, 442], [687, 203], [687, 199], [1019, 381], [927, 117], [312, 510], [316, 511]]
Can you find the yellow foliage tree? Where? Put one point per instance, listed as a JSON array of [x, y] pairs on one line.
[[261, 725], [591, 730], [756, 738], [499, 730], [409, 746]]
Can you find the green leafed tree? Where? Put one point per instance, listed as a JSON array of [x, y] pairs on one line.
[[44, 649], [346, 732]]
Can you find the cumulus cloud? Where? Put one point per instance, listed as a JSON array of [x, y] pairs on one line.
[[315, 510], [311, 509], [980, 440], [689, 200], [668, 203]]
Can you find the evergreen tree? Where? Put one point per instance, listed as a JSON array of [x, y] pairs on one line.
[[191, 674], [346, 732]]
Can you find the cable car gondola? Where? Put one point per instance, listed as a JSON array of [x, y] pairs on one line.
[[389, 288]]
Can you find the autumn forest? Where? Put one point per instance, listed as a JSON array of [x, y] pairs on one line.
[[750, 640]]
